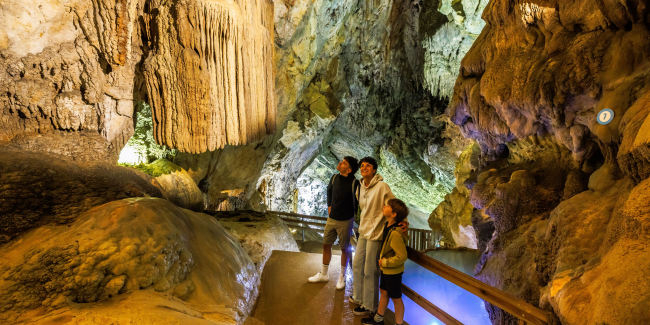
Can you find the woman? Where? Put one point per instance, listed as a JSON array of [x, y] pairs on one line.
[[373, 194]]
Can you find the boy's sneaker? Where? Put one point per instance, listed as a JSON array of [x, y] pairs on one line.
[[340, 284], [360, 311], [371, 321], [319, 278], [354, 301]]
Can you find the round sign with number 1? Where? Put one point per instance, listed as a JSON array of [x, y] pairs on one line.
[[605, 116]]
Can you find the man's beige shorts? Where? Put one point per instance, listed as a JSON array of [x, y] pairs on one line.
[[342, 229]]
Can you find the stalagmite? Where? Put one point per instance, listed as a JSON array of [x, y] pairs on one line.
[[210, 75]]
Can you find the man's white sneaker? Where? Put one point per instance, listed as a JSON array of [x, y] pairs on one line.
[[340, 284], [319, 278]]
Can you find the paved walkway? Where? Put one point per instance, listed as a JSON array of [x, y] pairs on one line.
[[287, 298]]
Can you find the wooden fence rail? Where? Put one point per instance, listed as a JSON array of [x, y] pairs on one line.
[[421, 240]]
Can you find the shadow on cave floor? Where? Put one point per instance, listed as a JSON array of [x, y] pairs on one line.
[[287, 298], [316, 247]]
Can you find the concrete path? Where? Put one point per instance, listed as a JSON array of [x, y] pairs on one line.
[[287, 298]]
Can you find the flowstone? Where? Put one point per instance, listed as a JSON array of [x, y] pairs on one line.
[[122, 247]]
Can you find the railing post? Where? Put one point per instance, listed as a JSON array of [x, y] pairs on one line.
[[303, 236]]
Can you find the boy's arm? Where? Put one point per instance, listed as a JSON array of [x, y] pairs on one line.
[[398, 245]]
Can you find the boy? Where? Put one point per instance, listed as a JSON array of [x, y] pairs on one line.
[[391, 262], [341, 207]]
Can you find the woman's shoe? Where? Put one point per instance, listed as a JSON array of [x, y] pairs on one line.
[[354, 301], [360, 311]]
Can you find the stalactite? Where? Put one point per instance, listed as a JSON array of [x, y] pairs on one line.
[[210, 75]]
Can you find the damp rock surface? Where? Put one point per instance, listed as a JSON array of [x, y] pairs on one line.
[[39, 189], [175, 183], [258, 233], [124, 251]]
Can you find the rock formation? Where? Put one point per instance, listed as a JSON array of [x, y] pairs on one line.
[[556, 202], [563, 190], [38, 190], [176, 184], [258, 233], [63, 72], [210, 72], [120, 248], [365, 99]]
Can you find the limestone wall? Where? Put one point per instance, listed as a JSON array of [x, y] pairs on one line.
[[563, 190]]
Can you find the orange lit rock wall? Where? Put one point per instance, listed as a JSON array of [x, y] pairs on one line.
[[210, 73], [567, 195], [548, 67]]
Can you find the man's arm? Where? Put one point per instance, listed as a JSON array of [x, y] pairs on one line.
[[329, 195]]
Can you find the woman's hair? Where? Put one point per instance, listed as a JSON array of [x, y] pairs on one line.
[[399, 208], [354, 164], [369, 160]]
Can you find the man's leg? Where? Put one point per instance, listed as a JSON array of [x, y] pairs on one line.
[[357, 270], [329, 237], [345, 256], [327, 254], [371, 276], [345, 232]]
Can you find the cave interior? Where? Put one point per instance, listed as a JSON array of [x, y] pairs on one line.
[[145, 145]]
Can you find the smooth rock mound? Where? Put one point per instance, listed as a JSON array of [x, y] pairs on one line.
[[182, 258], [175, 183]]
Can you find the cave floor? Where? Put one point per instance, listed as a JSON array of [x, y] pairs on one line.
[[287, 297]]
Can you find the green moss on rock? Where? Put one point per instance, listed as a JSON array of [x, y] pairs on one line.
[[156, 168]]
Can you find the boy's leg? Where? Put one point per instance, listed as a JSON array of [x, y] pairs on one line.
[[357, 270], [371, 276], [383, 299], [399, 311], [394, 292]]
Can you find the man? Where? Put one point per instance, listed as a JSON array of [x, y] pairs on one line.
[[373, 195], [341, 207]]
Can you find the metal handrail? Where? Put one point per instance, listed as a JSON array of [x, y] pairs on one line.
[[519, 308], [301, 224], [298, 215]]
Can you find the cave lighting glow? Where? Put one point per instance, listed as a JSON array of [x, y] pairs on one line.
[[131, 155], [457, 302]]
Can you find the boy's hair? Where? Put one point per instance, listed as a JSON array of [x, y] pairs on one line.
[[354, 164], [369, 160], [399, 208]]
